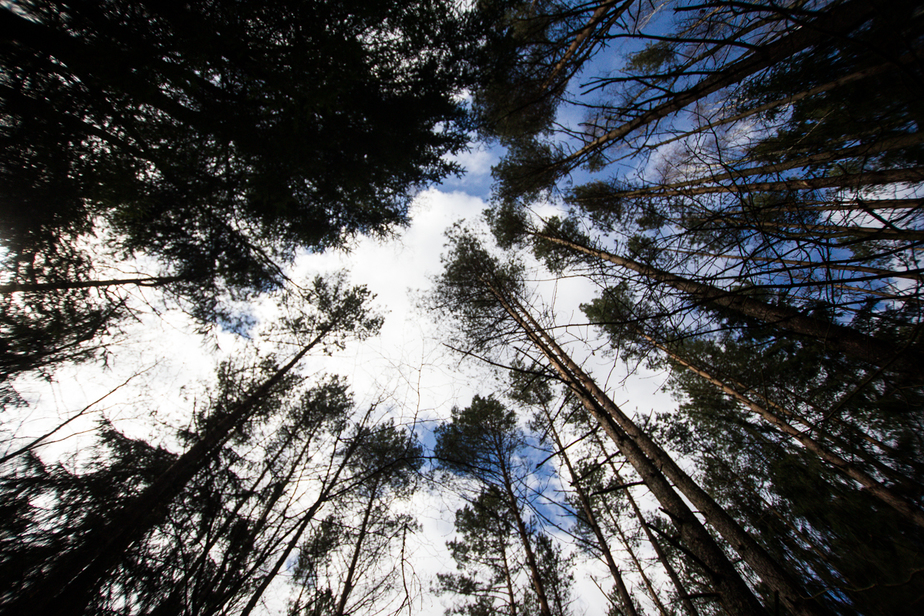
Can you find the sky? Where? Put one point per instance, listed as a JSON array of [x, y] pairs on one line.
[[162, 366]]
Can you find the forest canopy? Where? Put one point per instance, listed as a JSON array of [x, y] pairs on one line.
[[734, 187]]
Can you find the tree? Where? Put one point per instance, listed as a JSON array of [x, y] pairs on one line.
[[479, 290], [485, 555], [841, 444], [530, 389], [760, 162], [388, 459], [805, 493], [483, 442], [73, 579], [217, 140], [206, 553]]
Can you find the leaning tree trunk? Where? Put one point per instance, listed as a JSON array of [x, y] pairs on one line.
[[531, 562], [348, 583], [685, 187], [591, 516], [836, 337], [656, 467], [69, 585], [841, 19], [734, 593], [848, 180], [147, 281], [908, 510], [659, 551], [307, 517]]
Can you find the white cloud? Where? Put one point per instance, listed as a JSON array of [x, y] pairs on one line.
[[477, 160]]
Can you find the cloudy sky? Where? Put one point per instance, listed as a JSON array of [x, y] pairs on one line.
[[161, 366]]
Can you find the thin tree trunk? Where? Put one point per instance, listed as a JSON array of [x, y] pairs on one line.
[[308, 516], [509, 578], [731, 588], [662, 557], [69, 585], [357, 550], [836, 337], [866, 149], [213, 539], [849, 205], [852, 180], [278, 491], [24, 287], [583, 36], [789, 100], [801, 230], [842, 18], [827, 265], [531, 561], [874, 487], [591, 517], [639, 567]]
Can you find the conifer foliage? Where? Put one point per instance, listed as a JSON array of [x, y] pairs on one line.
[[742, 182], [719, 171]]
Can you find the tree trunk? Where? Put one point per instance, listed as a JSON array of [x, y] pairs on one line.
[[662, 557], [795, 230], [591, 517], [836, 337], [789, 100], [508, 577], [826, 265], [531, 562], [150, 281], [731, 588], [71, 582], [841, 19], [852, 180], [887, 496], [581, 39], [866, 149], [357, 550], [307, 517], [638, 566]]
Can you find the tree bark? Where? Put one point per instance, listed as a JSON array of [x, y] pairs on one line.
[[149, 281], [659, 551], [734, 593], [357, 550], [531, 561], [602, 545], [877, 489], [836, 337]]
